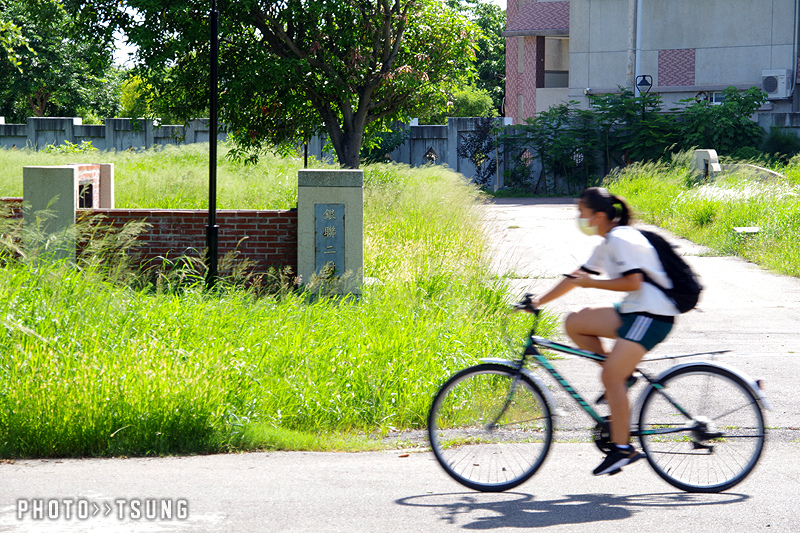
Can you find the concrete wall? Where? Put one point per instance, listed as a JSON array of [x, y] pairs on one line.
[[688, 46], [427, 141], [114, 134]]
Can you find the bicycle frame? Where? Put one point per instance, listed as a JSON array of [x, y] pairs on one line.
[[531, 351], [491, 424], [542, 361]]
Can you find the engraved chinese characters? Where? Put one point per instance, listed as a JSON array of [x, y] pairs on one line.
[[329, 239]]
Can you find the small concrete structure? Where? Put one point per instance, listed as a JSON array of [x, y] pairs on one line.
[[707, 162], [330, 227], [58, 191], [53, 190]]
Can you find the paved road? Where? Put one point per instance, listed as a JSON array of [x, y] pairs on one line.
[[745, 309]]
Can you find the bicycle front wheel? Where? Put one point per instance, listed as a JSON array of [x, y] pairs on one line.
[[718, 444], [490, 428]]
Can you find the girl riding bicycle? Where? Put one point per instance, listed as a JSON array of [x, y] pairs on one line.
[[638, 323]]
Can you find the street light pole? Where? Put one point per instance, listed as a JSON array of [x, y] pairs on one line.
[[212, 229], [643, 84]]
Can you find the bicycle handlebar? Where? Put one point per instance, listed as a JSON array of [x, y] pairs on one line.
[[526, 305]]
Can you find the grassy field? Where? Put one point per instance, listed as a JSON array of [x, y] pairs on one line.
[[707, 211], [172, 177], [90, 366]]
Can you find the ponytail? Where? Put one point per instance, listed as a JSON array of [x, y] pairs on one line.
[[615, 208]]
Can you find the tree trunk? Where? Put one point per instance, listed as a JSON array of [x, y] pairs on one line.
[[39, 101], [346, 143]]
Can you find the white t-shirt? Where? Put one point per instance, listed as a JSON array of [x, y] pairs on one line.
[[625, 251]]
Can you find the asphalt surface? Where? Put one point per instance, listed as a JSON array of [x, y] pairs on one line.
[[747, 310]]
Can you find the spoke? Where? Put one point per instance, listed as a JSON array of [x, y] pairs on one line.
[[748, 404]]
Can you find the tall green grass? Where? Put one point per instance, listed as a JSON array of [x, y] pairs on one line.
[[173, 177], [671, 195], [90, 366]]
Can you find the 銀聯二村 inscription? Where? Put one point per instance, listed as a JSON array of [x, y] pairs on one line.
[[329, 239]]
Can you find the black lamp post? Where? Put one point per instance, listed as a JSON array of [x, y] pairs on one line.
[[212, 229], [644, 83]]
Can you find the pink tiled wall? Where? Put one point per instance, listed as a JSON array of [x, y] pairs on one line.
[[513, 79], [532, 15], [537, 15], [521, 83], [676, 67]]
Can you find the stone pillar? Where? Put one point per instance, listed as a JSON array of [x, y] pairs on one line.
[[330, 227], [106, 185], [53, 190]]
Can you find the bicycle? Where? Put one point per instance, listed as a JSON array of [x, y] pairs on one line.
[[700, 424]]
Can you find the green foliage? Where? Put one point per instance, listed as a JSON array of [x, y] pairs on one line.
[[293, 69], [472, 102], [480, 148], [381, 144], [70, 148], [11, 39], [61, 71], [724, 127], [781, 144], [632, 128], [490, 59], [564, 141], [620, 129], [93, 367], [173, 177]]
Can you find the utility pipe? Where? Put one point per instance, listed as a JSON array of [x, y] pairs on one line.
[[630, 77], [639, 18]]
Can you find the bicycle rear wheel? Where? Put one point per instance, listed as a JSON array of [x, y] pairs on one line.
[[490, 430], [722, 441]]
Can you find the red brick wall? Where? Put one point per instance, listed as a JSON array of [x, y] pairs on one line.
[[270, 237], [267, 237], [90, 174], [14, 204]]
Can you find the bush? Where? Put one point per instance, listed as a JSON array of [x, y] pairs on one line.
[[781, 144]]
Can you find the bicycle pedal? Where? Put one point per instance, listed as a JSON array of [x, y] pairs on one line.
[[615, 472]]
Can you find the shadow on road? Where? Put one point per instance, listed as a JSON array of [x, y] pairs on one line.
[[480, 511]]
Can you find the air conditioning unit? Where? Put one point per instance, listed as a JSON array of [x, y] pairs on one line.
[[776, 83]]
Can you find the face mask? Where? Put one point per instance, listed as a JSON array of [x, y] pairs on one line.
[[585, 227]]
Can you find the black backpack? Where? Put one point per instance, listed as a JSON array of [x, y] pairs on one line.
[[686, 288]]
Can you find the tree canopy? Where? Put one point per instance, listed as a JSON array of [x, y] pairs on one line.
[[490, 60], [292, 68], [53, 67]]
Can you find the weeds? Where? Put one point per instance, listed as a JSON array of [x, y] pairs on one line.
[[91, 366], [707, 211]]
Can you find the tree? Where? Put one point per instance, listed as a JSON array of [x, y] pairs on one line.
[[10, 40], [60, 71], [724, 127], [462, 101], [293, 68], [490, 59]]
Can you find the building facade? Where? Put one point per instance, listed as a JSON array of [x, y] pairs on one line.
[[557, 51]]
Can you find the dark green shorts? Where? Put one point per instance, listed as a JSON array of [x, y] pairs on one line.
[[644, 328]]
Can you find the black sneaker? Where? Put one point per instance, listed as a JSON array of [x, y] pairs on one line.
[[618, 458], [601, 400]]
